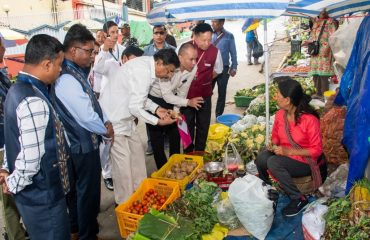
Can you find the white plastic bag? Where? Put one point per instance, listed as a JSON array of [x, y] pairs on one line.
[[313, 224], [335, 184], [232, 161], [248, 195]]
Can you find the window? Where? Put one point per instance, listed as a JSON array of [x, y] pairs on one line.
[[135, 4]]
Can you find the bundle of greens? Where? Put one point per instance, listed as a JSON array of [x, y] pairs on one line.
[[196, 205], [251, 92], [157, 226]]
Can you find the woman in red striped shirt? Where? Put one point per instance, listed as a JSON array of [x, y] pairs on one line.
[[297, 144]]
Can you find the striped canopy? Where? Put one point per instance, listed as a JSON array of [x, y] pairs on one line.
[[158, 16], [335, 8], [11, 38], [216, 9]]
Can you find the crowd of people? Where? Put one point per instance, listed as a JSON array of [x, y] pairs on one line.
[[72, 114], [71, 118]]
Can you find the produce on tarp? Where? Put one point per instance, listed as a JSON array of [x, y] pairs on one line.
[[197, 205], [349, 218]]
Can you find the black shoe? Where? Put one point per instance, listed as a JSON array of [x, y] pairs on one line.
[[294, 207], [149, 150], [250, 63], [109, 184]]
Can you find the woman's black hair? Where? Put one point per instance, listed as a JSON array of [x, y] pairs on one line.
[[293, 89]]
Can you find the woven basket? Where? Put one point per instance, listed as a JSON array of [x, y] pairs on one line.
[[304, 184]]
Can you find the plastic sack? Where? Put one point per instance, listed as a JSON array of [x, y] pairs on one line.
[[232, 160], [335, 184], [354, 92], [313, 224], [249, 197], [245, 122], [257, 49], [252, 168], [226, 214]]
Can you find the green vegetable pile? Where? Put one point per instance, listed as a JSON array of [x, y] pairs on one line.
[[260, 109], [293, 59], [338, 226], [252, 92], [196, 205]]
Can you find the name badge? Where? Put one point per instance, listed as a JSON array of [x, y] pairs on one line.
[[207, 64]]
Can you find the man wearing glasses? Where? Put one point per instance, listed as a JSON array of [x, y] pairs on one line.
[[159, 41], [85, 125]]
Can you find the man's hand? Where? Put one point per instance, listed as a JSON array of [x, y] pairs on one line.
[[283, 151], [196, 102], [165, 121], [110, 131], [162, 113], [232, 72], [108, 44], [3, 175]]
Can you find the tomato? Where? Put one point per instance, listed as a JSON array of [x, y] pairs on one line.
[[155, 194], [151, 191], [144, 202], [162, 200], [154, 206], [134, 211]]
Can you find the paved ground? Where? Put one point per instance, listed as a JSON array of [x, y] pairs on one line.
[[247, 76]]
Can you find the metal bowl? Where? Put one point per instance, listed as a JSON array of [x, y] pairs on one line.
[[214, 169]]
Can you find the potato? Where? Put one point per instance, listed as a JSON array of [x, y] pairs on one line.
[[168, 173]]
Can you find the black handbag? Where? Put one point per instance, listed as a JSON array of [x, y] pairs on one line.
[[314, 47]]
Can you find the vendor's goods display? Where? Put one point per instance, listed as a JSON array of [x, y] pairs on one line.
[[332, 124], [244, 97], [181, 169], [249, 142], [151, 191], [349, 218], [197, 206]]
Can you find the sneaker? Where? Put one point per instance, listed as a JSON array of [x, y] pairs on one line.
[[294, 207], [149, 150], [250, 63], [109, 183]]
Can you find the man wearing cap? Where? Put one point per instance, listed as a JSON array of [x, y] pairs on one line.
[[127, 40]]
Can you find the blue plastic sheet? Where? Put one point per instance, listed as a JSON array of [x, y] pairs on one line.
[[355, 94], [288, 228]]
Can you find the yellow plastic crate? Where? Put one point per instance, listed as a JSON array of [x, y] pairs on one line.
[[127, 222], [218, 133], [177, 158]]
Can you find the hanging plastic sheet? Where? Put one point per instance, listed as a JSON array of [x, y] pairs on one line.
[[355, 94]]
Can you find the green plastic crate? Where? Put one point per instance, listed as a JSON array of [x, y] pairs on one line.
[[243, 101]]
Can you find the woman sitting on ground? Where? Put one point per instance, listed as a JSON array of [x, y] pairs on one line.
[[297, 144]]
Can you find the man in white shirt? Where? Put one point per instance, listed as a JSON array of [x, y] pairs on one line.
[[109, 51], [129, 100], [170, 94]]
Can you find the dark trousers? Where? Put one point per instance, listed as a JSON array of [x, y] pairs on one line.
[[157, 135], [83, 200], [283, 169], [198, 124], [46, 221], [221, 80], [321, 84]]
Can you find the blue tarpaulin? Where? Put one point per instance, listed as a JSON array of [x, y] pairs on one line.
[[355, 94]]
